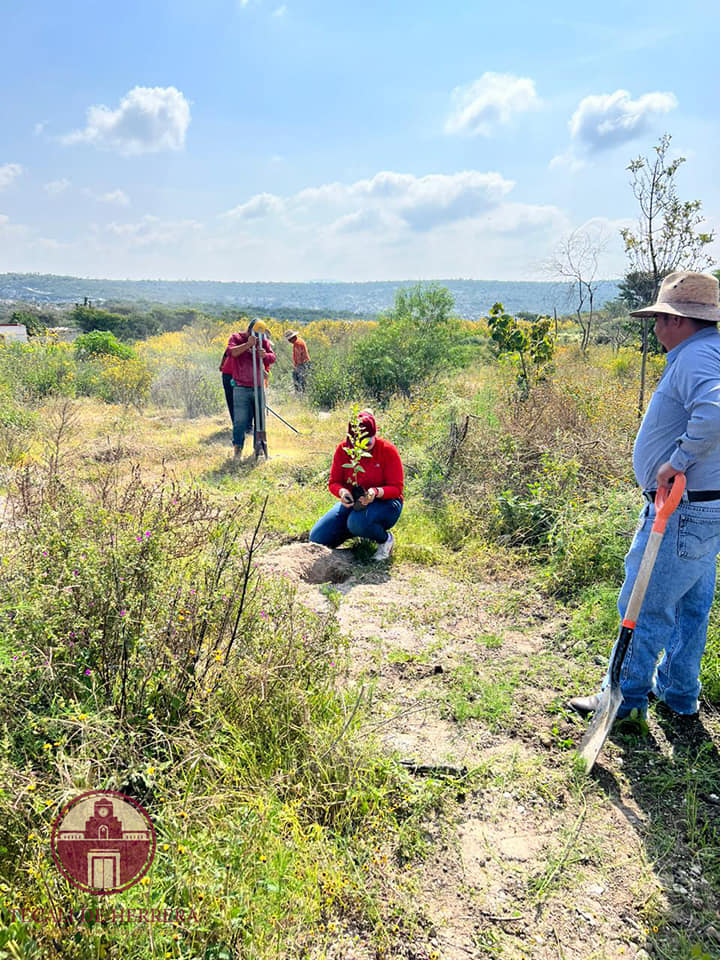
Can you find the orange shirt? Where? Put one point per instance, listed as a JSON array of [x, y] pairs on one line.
[[300, 352]]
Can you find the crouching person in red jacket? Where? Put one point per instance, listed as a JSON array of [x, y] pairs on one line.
[[378, 505]]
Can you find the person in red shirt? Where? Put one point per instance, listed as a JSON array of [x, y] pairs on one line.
[[301, 360], [379, 503], [239, 364]]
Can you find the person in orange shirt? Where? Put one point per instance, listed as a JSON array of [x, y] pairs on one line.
[[301, 360]]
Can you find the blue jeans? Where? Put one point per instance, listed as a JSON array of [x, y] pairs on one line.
[[341, 522], [243, 413], [674, 615]]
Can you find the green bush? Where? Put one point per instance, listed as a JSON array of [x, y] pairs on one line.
[[16, 423], [190, 386], [529, 517], [331, 381], [595, 622], [141, 652], [38, 369], [416, 339], [589, 542], [100, 343], [128, 326], [710, 666]]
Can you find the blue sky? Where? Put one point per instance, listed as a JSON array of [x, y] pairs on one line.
[[304, 139]]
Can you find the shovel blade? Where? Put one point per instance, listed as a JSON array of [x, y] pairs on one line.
[[602, 721]]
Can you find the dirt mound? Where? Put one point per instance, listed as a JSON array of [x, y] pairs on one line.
[[310, 562]]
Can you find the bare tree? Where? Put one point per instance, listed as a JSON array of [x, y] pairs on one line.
[[666, 237], [576, 261]]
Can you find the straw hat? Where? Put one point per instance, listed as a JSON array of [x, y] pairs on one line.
[[290, 335], [686, 294]]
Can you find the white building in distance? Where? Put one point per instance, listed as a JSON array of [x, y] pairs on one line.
[[13, 331]]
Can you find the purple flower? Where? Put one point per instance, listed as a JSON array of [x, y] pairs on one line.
[[139, 537], [75, 573], [88, 671], [44, 553], [123, 612], [263, 615], [147, 533]]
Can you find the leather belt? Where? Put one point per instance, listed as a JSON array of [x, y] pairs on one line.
[[692, 495]]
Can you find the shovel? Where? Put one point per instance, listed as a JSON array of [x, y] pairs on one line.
[[611, 697]]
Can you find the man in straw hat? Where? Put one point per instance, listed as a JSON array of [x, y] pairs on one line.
[[680, 433], [301, 360]]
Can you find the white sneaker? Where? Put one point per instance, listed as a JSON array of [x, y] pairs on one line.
[[385, 549]]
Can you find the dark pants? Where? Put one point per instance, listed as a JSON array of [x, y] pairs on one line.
[[342, 522], [243, 413], [228, 388], [300, 374]]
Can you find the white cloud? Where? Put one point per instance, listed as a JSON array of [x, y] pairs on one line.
[[570, 160], [388, 226], [8, 173], [362, 221], [54, 187], [38, 128], [117, 197], [604, 120], [261, 205], [490, 101], [148, 120], [280, 12], [150, 231], [420, 203]]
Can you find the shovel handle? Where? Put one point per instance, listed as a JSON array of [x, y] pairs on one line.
[[666, 502]]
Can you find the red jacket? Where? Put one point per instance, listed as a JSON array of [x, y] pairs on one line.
[[383, 468], [240, 367]]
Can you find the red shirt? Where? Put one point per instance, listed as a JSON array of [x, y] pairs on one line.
[[383, 468], [240, 368]]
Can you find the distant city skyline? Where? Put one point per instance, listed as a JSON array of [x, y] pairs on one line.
[[251, 140]]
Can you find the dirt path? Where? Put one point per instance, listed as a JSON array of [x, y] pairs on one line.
[[529, 860]]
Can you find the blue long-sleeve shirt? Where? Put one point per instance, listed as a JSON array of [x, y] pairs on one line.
[[682, 421]]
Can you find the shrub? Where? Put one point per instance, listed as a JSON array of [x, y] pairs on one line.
[[412, 342], [100, 343], [594, 624], [38, 369], [589, 541], [16, 422], [187, 385], [140, 652], [331, 382], [710, 665]]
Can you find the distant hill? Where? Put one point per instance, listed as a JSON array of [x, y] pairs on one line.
[[473, 298]]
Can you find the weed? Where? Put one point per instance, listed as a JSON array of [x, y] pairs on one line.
[[492, 641], [471, 697]]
